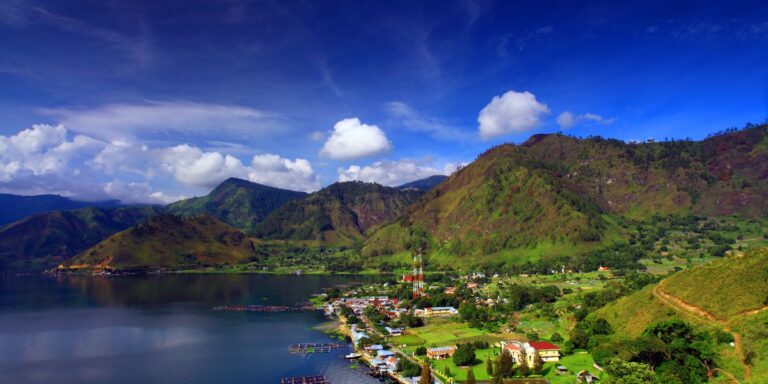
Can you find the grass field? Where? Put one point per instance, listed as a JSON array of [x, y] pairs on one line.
[[460, 374], [441, 332]]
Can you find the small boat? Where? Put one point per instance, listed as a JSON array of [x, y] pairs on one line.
[[353, 356]]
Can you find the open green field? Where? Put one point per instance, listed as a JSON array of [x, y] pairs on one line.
[[441, 332], [460, 373]]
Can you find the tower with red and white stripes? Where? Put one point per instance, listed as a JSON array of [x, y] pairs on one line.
[[418, 274]]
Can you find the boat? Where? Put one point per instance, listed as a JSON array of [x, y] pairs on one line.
[[353, 355]]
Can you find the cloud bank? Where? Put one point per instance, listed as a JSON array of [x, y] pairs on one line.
[[44, 159], [394, 173], [153, 118]]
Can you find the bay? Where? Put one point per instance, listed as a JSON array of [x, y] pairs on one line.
[[162, 329]]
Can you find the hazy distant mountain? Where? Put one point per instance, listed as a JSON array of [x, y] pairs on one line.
[[42, 241], [15, 207], [237, 202], [424, 184]]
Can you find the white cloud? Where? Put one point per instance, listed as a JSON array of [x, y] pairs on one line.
[[415, 121], [42, 149], [450, 168], [283, 173], [512, 112], [391, 173], [191, 166], [352, 139], [568, 119], [128, 121]]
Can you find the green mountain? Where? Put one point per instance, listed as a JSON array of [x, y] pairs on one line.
[[340, 214], [558, 195], [239, 203], [15, 207], [44, 240], [168, 241], [729, 294]]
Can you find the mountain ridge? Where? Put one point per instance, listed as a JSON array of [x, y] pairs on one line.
[[237, 202]]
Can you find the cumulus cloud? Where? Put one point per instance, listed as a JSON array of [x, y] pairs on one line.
[[191, 166], [155, 119], [412, 120], [392, 173], [568, 119], [512, 112], [283, 173], [351, 139], [40, 150]]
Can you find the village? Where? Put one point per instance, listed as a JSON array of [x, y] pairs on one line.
[[450, 328]]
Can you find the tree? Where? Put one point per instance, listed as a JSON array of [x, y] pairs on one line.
[[471, 377], [464, 355], [556, 337], [489, 366], [505, 365], [523, 363], [407, 368], [420, 351], [623, 372], [538, 363], [426, 374]]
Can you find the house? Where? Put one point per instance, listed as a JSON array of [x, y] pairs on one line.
[[584, 377], [394, 331], [384, 354], [357, 334], [603, 269], [547, 351], [450, 291], [472, 285], [437, 311], [441, 352]]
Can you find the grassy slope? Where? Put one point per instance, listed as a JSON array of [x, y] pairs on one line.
[[169, 241], [546, 196], [239, 203], [495, 206], [44, 240], [726, 288]]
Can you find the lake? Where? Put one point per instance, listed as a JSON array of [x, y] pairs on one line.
[[161, 329]]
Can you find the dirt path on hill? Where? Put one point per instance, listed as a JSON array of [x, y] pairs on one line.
[[677, 303]]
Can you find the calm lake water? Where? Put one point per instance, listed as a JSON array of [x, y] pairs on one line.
[[161, 329]]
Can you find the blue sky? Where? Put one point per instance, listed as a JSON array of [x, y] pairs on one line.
[[150, 101]]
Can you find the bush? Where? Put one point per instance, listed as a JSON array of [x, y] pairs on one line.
[[556, 337], [420, 351]]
